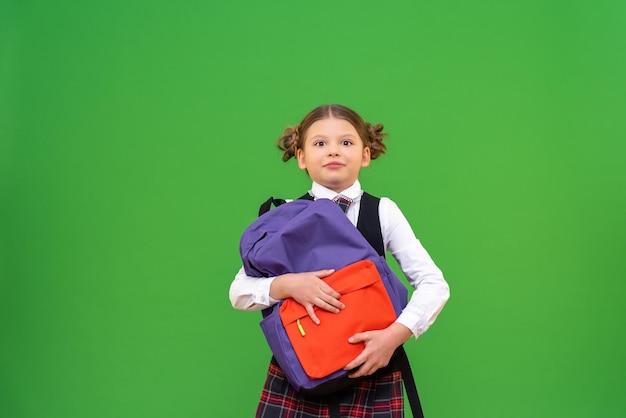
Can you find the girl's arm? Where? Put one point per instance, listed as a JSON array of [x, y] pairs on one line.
[[431, 289], [256, 293], [430, 295]]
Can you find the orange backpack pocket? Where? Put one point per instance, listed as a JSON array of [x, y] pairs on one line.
[[323, 349]]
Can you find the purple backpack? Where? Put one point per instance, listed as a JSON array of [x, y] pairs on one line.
[[300, 236]]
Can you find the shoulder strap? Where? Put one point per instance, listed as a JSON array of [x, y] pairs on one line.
[[409, 382], [267, 205], [369, 222]]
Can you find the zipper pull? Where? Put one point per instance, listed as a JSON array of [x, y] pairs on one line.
[[300, 328]]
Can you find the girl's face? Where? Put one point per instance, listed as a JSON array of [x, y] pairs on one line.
[[333, 153]]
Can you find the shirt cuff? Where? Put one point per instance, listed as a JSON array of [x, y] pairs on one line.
[[412, 322], [261, 295]]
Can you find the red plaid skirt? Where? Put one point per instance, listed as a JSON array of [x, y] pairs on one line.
[[379, 396]]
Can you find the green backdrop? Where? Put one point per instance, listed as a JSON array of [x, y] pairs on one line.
[[137, 141]]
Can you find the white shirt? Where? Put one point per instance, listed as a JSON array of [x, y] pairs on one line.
[[431, 290]]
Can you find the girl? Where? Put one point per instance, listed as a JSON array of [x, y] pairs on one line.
[[332, 143]]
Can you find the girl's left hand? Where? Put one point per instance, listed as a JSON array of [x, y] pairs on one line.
[[379, 347]]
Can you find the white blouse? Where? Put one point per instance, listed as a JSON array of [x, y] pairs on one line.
[[431, 290]]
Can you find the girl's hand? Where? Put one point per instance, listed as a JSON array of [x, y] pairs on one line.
[[379, 347], [309, 290]]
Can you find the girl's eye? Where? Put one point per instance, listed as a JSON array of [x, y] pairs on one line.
[[318, 144], [346, 142]]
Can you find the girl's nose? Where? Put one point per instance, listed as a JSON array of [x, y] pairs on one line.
[[333, 151]]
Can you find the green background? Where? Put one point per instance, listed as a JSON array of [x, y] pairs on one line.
[[137, 141]]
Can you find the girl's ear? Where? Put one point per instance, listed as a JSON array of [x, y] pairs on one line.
[[367, 157], [300, 158]]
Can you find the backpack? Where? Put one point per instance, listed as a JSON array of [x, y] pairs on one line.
[[305, 235]]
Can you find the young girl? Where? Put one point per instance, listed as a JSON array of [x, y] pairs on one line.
[[332, 143]]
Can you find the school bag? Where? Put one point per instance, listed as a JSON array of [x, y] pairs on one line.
[[305, 235]]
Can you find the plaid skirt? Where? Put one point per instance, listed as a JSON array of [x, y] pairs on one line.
[[379, 396]]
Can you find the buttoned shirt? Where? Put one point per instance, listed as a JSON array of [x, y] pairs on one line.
[[431, 289]]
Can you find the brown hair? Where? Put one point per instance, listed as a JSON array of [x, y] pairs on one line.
[[371, 135]]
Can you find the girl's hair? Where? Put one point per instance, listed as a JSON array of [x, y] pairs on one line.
[[371, 135]]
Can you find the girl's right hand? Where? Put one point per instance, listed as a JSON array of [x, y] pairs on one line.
[[309, 290]]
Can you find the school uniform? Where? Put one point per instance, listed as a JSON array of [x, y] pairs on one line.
[[381, 394]]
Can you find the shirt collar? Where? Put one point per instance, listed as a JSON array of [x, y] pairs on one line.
[[320, 192]]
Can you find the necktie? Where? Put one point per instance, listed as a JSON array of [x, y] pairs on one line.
[[344, 202]]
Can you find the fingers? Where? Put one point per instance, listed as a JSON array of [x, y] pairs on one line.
[[312, 292], [354, 364], [361, 358], [377, 353], [328, 296], [360, 373], [359, 337], [323, 273], [329, 291], [310, 309], [330, 303], [363, 366], [368, 361], [311, 312], [327, 303]]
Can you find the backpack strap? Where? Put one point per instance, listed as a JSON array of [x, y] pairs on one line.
[[369, 222], [409, 382], [267, 205]]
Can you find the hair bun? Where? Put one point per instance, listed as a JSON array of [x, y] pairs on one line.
[[288, 143], [376, 136]]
